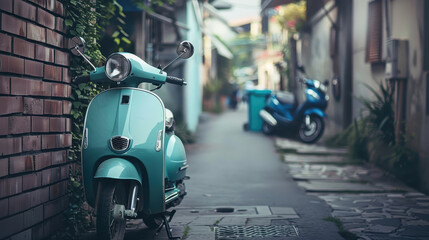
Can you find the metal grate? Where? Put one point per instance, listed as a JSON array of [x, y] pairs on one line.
[[249, 232], [119, 143]]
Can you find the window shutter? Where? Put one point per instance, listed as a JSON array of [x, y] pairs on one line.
[[374, 32]]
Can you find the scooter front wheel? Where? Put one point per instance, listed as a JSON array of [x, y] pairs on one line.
[[111, 205], [313, 131], [267, 129]]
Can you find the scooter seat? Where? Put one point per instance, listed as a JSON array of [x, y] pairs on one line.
[[286, 98]]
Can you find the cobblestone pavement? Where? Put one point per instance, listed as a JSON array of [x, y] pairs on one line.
[[369, 202]]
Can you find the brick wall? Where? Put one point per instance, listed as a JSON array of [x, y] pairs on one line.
[[34, 118]]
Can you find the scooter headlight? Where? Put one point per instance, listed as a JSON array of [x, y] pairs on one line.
[[118, 67], [319, 85]]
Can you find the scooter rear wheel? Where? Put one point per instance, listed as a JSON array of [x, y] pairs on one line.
[[311, 133], [112, 196]]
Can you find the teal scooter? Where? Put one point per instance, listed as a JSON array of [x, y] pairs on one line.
[[134, 166]]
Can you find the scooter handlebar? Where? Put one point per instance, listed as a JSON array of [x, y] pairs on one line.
[[176, 81], [81, 79]]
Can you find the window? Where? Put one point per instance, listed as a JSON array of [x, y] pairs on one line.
[[374, 32]]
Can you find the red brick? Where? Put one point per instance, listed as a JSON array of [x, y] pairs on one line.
[[11, 225], [19, 203], [21, 86], [61, 90], [52, 225], [59, 157], [53, 107], [6, 5], [5, 42], [10, 105], [11, 64], [57, 190], [21, 164], [31, 143], [4, 167], [24, 235], [53, 73], [67, 140], [41, 3], [10, 146], [33, 106], [67, 107], [4, 207], [25, 10], [62, 58], [33, 216], [56, 7], [37, 231], [40, 124], [65, 172], [4, 85], [13, 25], [39, 196], [68, 125], [60, 25], [35, 32], [44, 54], [4, 123], [51, 175], [55, 207], [54, 38], [33, 68], [19, 124], [23, 48], [51, 141], [57, 125], [10, 186], [45, 18], [66, 75], [42, 160], [31, 181]]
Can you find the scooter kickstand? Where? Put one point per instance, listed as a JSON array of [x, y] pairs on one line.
[[165, 223]]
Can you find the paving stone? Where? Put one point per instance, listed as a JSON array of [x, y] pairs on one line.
[[380, 229], [206, 221], [329, 186], [373, 215], [282, 211], [258, 221], [231, 221], [392, 222], [345, 214], [416, 223], [353, 220], [355, 225], [295, 158], [415, 231]]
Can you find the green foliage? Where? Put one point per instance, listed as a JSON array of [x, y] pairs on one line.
[[341, 230], [381, 115], [292, 16]]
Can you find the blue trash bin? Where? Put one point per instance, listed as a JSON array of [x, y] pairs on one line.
[[256, 102]]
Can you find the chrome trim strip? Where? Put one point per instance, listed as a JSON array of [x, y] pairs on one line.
[[183, 168], [171, 197]]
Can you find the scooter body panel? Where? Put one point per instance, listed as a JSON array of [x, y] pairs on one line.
[[175, 158], [131, 113]]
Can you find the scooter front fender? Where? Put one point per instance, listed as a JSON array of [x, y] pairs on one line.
[[118, 168], [315, 111]]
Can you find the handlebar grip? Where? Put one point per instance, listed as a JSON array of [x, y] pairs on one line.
[[175, 80], [81, 79]]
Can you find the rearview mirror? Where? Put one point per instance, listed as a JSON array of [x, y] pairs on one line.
[[185, 50], [77, 44]]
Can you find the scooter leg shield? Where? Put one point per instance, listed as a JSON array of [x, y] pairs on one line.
[[267, 117]]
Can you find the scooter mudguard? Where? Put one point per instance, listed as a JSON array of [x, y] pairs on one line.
[[315, 111], [126, 124], [175, 158], [118, 168]]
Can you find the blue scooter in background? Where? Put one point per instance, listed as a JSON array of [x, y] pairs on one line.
[[282, 111]]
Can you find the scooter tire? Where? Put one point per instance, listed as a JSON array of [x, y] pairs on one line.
[[319, 125], [267, 129], [152, 222], [107, 227]]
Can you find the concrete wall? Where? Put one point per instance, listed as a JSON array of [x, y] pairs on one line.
[[34, 118]]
